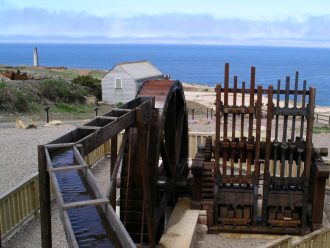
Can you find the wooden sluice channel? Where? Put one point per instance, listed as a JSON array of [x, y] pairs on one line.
[[151, 163], [86, 213]]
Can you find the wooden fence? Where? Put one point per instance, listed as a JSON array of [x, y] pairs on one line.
[[18, 205], [318, 239], [22, 202], [322, 118]]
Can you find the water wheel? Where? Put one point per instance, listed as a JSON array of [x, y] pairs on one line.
[[167, 148]]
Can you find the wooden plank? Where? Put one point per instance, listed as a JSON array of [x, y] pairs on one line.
[[68, 168], [122, 109], [59, 145], [78, 157], [85, 203], [265, 91], [107, 117], [113, 159], [89, 127], [107, 132], [116, 166]]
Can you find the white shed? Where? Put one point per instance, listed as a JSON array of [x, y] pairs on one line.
[[122, 82]]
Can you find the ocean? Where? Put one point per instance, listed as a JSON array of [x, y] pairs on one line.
[[198, 64]]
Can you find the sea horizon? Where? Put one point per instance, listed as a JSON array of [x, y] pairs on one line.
[[191, 63]]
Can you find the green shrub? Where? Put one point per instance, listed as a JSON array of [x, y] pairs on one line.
[[92, 84], [61, 91], [13, 100]]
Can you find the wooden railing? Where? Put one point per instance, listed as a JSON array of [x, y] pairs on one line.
[[18, 205], [322, 118], [316, 239]]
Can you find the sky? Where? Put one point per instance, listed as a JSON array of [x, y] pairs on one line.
[[240, 22]]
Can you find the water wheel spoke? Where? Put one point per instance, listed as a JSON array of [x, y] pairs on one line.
[[178, 138], [169, 170]]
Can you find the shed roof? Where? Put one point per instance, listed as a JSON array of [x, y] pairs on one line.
[[139, 69]]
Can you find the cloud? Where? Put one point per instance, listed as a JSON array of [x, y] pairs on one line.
[[167, 28]]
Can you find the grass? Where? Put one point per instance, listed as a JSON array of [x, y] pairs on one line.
[[62, 107], [322, 129]]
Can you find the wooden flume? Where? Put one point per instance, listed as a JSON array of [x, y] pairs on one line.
[[151, 164]]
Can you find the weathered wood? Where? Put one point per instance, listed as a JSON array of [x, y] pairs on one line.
[[113, 158], [89, 127], [116, 166], [143, 162], [59, 145], [267, 155], [85, 203], [68, 168], [44, 193]]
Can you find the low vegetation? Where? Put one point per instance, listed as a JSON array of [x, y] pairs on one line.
[[93, 85], [321, 129], [62, 91], [13, 100], [34, 95]]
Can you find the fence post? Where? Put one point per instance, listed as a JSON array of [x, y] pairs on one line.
[[207, 113], [317, 117], [95, 109], [212, 113], [193, 113], [44, 194], [47, 114]]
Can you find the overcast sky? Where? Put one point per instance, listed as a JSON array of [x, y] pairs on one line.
[[247, 22]]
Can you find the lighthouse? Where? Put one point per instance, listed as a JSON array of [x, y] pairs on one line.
[[35, 57]]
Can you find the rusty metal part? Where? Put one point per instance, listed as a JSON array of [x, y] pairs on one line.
[[208, 149]]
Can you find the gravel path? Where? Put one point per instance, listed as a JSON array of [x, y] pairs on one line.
[[19, 153]]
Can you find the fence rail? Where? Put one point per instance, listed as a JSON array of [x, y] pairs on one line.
[[316, 239], [322, 118], [18, 205], [22, 202]]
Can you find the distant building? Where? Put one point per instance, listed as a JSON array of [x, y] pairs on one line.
[[35, 57], [123, 81]]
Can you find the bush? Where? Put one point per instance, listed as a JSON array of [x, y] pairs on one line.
[[92, 84], [13, 100], [61, 91]]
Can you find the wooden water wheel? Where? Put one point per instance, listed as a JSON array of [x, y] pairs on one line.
[[148, 186]]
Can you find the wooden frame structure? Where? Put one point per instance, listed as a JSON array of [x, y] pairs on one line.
[[155, 125], [276, 186]]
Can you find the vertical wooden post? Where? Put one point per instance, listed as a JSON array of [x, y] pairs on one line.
[[113, 159], [267, 155], [216, 155], [143, 161], [308, 154], [256, 173], [317, 192], [44, 193]]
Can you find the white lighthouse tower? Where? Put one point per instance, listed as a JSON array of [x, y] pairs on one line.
[[35, 57]]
